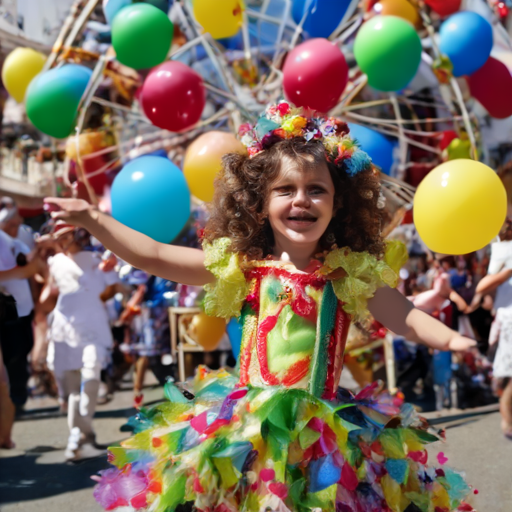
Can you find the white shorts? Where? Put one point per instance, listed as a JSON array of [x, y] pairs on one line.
[[62, 357]]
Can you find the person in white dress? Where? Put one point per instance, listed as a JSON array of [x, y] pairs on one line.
[[501, 333], [499, 278], [80, 335]]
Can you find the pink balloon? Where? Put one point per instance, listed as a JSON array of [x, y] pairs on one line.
[[315, 75], [173, 96], [491, 85]]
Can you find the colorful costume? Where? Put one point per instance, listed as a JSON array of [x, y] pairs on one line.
[[282, 436]]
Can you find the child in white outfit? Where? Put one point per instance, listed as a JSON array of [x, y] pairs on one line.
[[80, 336]]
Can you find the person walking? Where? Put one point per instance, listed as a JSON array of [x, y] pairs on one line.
[[80, 336]]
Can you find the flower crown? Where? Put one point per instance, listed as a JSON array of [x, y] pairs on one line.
[[284, 121]]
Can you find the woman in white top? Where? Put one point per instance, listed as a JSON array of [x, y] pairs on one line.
[[80, 335], [499, 278]]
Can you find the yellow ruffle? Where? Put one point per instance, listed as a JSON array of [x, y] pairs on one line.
[[365, 273], [225, 297]]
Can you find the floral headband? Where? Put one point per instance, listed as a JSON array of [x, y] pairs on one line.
[[284, 121]]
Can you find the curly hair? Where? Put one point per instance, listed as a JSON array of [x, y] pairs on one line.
[[239, 207]]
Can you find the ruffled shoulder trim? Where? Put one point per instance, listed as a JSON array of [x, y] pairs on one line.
[[225, 297], [363, 273]]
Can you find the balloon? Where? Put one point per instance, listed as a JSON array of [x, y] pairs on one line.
[[234, 330], [460, 207], [163, 5], [323, 16], [19, 69], [388, 50], [96, 152], [150, 195], [207, 330], [459, 148], [379, 147], [466, 38], [444, 7], [315, 75], [491, 85], [53, 97], [173, 96], [401, 8], [203, 161], [221, 18], [141, 36], [112, 7]]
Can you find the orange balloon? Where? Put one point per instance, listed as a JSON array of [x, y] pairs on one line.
[[207, 330], [203, 161], [401, 8]]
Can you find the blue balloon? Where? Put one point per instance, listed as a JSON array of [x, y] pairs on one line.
[[466, 38], [150, 195], [323, 16], [235, 42], [163, 5], [379, 148], [112, 7], [234, 330]]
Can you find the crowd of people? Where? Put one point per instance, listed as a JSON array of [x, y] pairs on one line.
[[74, 319]]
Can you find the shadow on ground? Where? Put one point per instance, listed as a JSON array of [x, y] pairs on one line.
[[23, 479]]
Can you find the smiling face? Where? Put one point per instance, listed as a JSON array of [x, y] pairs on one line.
[[301, 203]]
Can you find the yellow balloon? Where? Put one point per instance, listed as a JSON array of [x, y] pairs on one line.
[[401, 8], [221, 18], [203, 161], [460, 207], [207, 330], [19, 69]]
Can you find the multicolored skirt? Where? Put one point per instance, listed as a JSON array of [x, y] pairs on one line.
[[228, 449]]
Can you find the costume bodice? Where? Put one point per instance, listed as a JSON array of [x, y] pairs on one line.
[[295, 323], [294, 331]]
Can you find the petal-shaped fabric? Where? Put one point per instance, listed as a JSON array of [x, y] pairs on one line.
[[225, 297]]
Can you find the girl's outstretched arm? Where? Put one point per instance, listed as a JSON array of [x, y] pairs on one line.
[[397, 313], [179, 264]]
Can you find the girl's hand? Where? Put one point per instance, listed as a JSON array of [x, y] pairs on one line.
[[460, 343], [73, 211]]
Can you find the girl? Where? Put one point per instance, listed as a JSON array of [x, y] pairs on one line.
[[80, 336], [293, 245]]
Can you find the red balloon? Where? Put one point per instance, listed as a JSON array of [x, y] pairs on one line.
[[315, 75], [444, 7], [491, 85], [173, 96]]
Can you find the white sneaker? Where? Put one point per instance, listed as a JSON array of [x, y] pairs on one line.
[[73, 444]]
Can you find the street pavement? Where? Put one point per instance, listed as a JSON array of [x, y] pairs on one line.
[[35, 478]]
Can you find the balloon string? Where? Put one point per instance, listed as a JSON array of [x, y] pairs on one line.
[[81, 173], [92, 86], [465, 117], [453, 82], [402, 139], [352, 25]]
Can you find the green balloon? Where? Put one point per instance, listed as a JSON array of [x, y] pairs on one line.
[[53, 97], [141, 36], [388, 50]]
